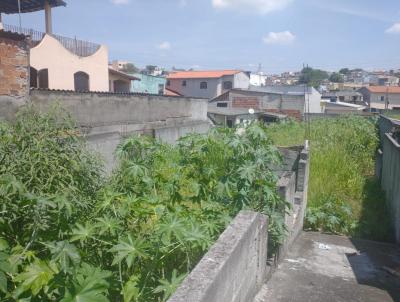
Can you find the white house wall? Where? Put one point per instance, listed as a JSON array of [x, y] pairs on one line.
[[62, 65]]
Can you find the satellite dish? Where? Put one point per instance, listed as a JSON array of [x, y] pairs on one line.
[[251, 111]]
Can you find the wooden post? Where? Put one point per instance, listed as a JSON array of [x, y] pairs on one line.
[[47, 10]]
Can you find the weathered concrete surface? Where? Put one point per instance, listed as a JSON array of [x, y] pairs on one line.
[[234, 268], [387, 169], [106, 118], [327, 268]]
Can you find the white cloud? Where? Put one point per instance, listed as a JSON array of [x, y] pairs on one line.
[[258, 6], [164, 45], [394, 29], [282, 38], [120, 2]]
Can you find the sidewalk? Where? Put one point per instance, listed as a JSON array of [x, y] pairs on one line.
[[333, 268]]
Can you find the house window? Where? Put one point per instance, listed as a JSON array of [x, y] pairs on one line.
[[168, 83], [228, 85], [222, 105], [184, 83], [43, 78], [203, 85], [382, 98]]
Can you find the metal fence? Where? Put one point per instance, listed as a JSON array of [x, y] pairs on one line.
[[78, 47]]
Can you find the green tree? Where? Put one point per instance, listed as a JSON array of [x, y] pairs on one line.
[[336, 78], [312, 77], [344, 71], [130, 68]]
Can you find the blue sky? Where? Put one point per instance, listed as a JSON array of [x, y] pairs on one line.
[[214, 34]]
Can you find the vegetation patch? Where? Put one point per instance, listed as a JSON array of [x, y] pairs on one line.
[[68, 234], [344, 196]]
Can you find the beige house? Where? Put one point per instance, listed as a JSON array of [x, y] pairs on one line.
[[59, 62], [53, 66]]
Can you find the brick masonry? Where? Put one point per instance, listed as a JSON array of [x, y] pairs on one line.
[[246, 102], [14, 65]]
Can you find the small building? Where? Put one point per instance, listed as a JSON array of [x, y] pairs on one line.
[[273, 102], [337, 107], [149, 84], [306, 99], [381, 97], [231, 117], [258, 79], [347, 96], [207, 84], [120, 82], [58, 62]]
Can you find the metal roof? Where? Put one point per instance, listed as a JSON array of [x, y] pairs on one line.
[[27, 6]]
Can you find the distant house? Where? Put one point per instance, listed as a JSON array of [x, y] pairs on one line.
[[120, 82], [206, 84], [149, 84], [230, 117], [381, 97], [258, 79], [260, 98], [338, 107], [309, 97], [347, 96]]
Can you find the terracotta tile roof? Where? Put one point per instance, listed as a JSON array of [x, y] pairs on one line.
[[384, 89], [213, 74]]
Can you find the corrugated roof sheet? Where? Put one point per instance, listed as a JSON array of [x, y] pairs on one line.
[[27, 6], [202, 74]]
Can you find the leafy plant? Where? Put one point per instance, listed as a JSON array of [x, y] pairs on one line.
[[68, 234]]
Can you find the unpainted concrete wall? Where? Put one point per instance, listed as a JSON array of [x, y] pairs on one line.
[[387, 169], [234, 268], [390, 179], [105, 118]]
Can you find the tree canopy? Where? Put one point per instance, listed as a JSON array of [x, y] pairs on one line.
[[312, 77]]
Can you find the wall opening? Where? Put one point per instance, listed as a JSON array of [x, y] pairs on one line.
[[43, 78], [81, 81], [122, 86], [33, 76]]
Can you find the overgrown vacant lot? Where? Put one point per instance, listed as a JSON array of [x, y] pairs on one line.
[[344, 196], [69, 234]]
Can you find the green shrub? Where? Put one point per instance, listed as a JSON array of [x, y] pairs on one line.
[[341, 172], [66, 234]]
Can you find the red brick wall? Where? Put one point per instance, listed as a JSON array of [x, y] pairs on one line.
[[246, 102], [14, 65]]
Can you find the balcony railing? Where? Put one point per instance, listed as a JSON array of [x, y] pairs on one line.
[[78, 47]]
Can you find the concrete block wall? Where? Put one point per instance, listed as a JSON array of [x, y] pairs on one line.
[[234, 268], [387, 169], [390, 180]]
